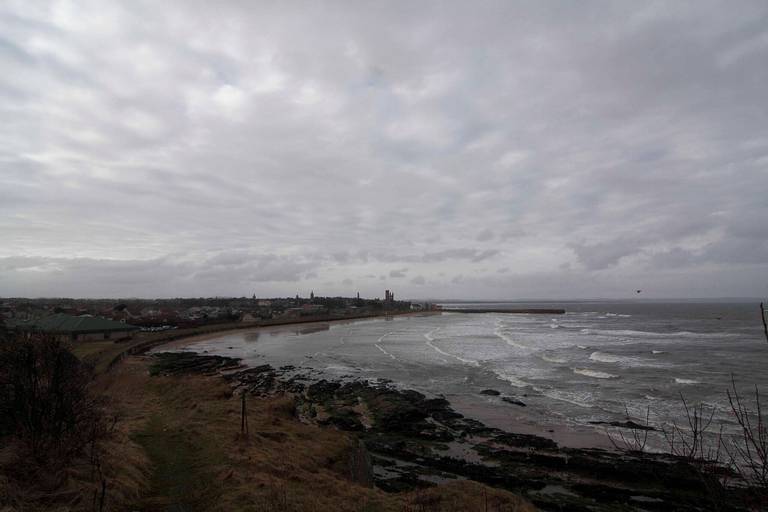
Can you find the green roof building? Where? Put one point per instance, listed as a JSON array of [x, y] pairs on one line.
[[77, 328]]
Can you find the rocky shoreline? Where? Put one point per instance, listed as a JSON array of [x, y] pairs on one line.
[[413, 441]]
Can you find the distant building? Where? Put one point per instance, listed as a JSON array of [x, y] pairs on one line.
[[389, 296], [77, 328]]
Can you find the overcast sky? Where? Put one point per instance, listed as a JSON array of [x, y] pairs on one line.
[[440, 149]]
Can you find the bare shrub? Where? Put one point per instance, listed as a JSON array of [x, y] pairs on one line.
[[692, 440], [748, 453], [44, 399], [637, 441]]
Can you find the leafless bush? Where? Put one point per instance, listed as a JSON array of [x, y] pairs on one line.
[[693, 440], [638, 440], [749, 453], [45, 402]]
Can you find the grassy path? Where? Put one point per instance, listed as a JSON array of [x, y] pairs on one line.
[[183, 475]]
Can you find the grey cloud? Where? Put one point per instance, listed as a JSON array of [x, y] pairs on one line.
[[485, 235], [419, 281], [312, 142], [398, 273], [604, 254]]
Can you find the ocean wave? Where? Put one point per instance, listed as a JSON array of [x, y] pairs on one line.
[[556, 360], [582, 347], [512, 343], [579, 399], [686, 381], [602, 357], [443, 352], [658, 352], [619, 315], [651, 334], [554, 326], [515, 381], [341, 368], [594, 373], [384, 351]]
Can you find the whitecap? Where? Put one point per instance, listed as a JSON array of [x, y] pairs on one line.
[[582, 347], [686, 381], [603, 357], [512, 343], [658, 352], [651, 334], [384, 351], [594, 373], [579, 399], [437, 349], [556, 360], [515, 381]]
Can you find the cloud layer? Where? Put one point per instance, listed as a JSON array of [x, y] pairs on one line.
[[436, 148]]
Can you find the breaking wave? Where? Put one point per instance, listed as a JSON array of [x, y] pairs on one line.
[[686, 381], [515, 381], [512, 343], [428, 336], [580, 399], [602, 357], [384, 351], [556, 360], [650, 334], [594, 373]]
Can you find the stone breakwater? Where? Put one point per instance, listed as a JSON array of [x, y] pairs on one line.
[[414, 441]]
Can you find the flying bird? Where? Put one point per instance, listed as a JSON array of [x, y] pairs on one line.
[[638, 291]]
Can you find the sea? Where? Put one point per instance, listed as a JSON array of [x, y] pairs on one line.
[[598, 362]]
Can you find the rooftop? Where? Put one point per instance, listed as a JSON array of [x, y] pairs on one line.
[[62, 323]]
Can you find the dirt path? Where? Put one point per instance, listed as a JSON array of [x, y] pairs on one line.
[[182, 474]]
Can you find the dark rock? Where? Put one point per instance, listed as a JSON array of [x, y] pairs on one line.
[[490, 392], [513, 401], [179, 363], [624, 424], [525, 441]]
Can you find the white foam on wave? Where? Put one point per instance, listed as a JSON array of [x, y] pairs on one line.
[[515, 381], [430, 334], [582, 347], [384, 351], [430, 338], [603, 357], [594, 373], [579, 399], [626, 361], [658, 352], [511, 342], [651, 334], [554, 326], [556, 360], [686, 381], [619, 315]]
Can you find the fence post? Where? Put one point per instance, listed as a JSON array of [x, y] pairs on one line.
[[243, 418]]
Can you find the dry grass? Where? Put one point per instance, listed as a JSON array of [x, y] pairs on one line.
[[190, 428]]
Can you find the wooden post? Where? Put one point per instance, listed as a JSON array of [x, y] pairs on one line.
[[762, 317], [243, 418]]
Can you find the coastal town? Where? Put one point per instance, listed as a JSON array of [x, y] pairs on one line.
[[105, 319]]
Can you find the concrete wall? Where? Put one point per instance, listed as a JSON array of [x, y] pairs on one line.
[[101, 336]]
